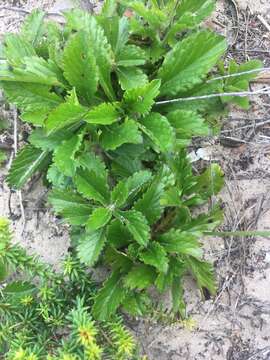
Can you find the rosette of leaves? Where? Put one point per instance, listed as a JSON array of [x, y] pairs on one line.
[[50, 317], [93, 92]]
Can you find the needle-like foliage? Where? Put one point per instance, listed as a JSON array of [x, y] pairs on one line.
[[47, 315]]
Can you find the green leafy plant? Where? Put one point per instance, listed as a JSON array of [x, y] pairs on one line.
[[108, 98], [47, 315]]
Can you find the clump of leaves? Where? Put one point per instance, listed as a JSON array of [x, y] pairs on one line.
[[47, 315], [108, 99]]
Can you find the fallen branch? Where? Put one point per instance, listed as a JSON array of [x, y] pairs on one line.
[[210, 96], [254, 125], [27, 12]]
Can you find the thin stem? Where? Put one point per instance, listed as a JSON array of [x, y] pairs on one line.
[[239, 74], [19, 193], [210, 96], [255, 125], [238, 233]]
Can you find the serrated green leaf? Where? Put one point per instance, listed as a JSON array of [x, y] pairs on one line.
[[79, 65], [203, 272], [126, 190], [108, 9], [92, 186], [155, 255], [76, 20], [159, 131], [72, 207], [17, 48], [137, 304], [130, 77], [171, 197], [110, 297], [36, 117], [33, 27], [177, 268], [149, 205], [93, 162], [64, 155], [133, 250], [210, 182], [99, 218], [137, 181], [177, 241], [182, 170], [80, 20], [117, 32], [103, 114], [117, 135], [117, 260], [187, 124], [131, 55], [65, 114], [27, 162], [137, 225], [55, 42], [125, 165], [56, 178], [241, 82], [205, 222], [141, 99], [90, 246], [40, 139], [178, 302], [140, 277], [31, 98], [33, 69], [209, 106], [189, 62], [119, 194], [154, 16], [103, 58], [117, 234], [190, 14], [199, 8]]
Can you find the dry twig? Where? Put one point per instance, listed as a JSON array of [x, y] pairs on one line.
[[260, 70], [19, 193], [246, 33], [264, 22], [210, 96], [27, 12], [254, 125]]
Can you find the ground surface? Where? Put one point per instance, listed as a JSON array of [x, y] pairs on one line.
[[236, 324]]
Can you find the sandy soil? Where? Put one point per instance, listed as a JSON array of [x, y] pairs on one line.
[[236, 324], [256, 6]]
